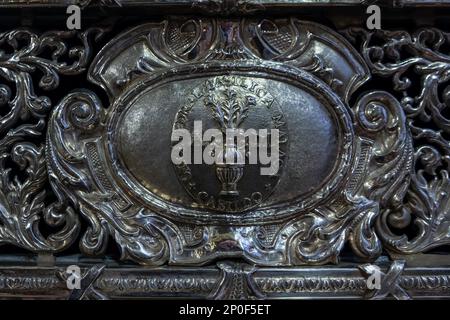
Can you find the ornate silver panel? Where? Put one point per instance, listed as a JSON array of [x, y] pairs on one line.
[[364, 148], [165, 75]]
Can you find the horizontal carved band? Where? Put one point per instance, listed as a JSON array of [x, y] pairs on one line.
[[213, 282]]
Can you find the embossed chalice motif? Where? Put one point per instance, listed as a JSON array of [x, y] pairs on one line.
[[229, 113], [229, 174], [237, 113]]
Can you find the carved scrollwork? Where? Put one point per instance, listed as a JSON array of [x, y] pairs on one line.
[[159, 46], [23, 191], [415, 60], [22, 199], [383, 182], [25, 59], [377, 167], [151, 226], [381, 117], [427, 201], [79, 115]]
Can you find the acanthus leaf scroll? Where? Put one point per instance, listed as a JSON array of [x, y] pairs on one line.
[[374, 152], [23, 169], [384, 176], [415, 60]]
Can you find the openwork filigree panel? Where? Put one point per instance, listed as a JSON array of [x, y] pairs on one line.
[[363, 124]]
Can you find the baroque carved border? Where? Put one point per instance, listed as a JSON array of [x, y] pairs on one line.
[[409, 183]]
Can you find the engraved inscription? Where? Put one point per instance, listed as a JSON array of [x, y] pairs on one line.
[[229, 103]]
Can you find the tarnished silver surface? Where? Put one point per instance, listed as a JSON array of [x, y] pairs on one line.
[[364, 162]]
